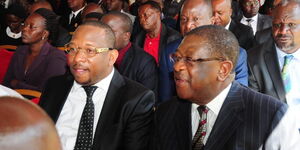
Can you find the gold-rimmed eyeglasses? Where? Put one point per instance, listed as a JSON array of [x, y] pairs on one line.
[[90, 51]]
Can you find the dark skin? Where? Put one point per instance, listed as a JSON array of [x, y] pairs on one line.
[[150, 20], [14, 23], [34, 34]]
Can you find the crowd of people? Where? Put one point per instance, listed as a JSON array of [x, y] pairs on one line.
[[150, 74]]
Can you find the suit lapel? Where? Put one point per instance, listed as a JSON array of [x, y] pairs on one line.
[[260, 23], [162, 40], [272, 64], [228, 120], [127, 60], [110, 108], [182, 121]]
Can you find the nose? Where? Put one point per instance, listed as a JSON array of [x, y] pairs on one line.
[[179, 66], [283, 29], [79, 56]]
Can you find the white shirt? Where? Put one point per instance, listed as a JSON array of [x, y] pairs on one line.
[[227, 26], [253, 23], [5, 91], [294, 72], [68, 122], [286, 135], [75, 13], [214, 107], [13, 35]]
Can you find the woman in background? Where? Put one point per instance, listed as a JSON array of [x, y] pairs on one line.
[[33, 64]]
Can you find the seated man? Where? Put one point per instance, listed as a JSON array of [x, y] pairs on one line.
[[132, 62], [95, 107], [24, 126], [212, 111]]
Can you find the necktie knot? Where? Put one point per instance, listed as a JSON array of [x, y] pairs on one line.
[[288, 58], [202, 109], [249, 21], [89, 90]]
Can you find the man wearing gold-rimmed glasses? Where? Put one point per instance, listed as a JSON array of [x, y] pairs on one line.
[[95, 107]]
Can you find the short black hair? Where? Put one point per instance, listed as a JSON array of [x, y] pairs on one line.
[[126, 21], [109, 34], [153, 5], [51, 23], [219, 41], [17, 10]]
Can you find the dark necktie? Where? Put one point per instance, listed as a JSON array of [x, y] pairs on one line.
[[84, 139], [249, 22], [201, 131]]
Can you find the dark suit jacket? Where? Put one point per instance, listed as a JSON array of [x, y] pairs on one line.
[[167, 35], [71, 27], [140, 66], [263, 36], [263, 22], [166, 79], [245, 121], [126, 115], [243, 33], [50, 62], [264, 71]]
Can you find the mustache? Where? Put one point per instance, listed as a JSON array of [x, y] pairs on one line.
[[283, 36]]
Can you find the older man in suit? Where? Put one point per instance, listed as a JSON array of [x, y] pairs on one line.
[[222, 11], [274, 65], [213, 112], [95, 107]]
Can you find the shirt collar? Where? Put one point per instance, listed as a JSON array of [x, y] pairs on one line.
[[281, 54], [103, 84], [216, 104], [13, 35], [77, 12], [227, 26], [254, 18]]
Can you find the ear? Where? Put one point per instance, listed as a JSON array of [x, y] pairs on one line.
[[126, 36], [212, 20], [225, 70], [113, 55], [46, 34]]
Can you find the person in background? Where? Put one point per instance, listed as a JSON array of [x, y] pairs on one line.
[[25, 126], [34, 63], [71, 18], [11, 33]]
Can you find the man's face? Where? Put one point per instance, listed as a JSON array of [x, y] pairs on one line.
[[117, 26], [148, 17], [286, 28], [85, 69], [250, 8], [13, 22], [222, 12], [114, 5], [76, 4], [193, 15], [194, 80]]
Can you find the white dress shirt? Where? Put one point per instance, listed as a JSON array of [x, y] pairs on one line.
[[294, 72], [253, 23], [286, 135], [214, 107], [68, 122], [74, 13], [227, 26], [13, 35]]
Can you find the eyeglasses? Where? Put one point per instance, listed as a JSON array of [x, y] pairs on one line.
[[253, 3], [188, 60], [72, 49]]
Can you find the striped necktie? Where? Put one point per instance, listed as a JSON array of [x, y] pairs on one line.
[[201, 131], [285, 75]]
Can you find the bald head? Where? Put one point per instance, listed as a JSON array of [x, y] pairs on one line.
[[40, 4], [26, 126], [195, 13], [90, 8]]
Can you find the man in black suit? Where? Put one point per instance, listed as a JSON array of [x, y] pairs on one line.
[[271, 70], [213, 112], [95, 107], [222, 12], [252, 18], [71, 18], [132, 62]]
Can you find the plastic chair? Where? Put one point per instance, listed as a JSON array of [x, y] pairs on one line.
[[9, 47], [29, 93]]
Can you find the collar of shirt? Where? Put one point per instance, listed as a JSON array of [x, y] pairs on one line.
[[214, 108], [227, 26], [253, 23], [121, 56], [75, 13], [103, 84], [281, 54], [13, 35]]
